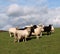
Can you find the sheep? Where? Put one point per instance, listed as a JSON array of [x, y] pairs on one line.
[[12, 31], [48, 29], [23, 34], [37, 31]]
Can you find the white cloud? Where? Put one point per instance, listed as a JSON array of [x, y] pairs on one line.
[[54, 16], [14, 10], [6, 27], [3, 19], [18, 15]]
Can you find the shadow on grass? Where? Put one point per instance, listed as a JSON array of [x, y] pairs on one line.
[[30, 38]]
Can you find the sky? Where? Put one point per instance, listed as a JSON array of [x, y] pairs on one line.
[[19, 13]]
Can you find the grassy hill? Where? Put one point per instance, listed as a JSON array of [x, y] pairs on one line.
[[46, 45]]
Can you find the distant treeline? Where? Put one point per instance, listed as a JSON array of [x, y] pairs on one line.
[[3, 31]]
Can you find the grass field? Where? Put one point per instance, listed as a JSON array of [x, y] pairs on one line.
[[45, 45]]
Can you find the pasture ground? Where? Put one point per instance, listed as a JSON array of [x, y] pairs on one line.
[[46, 45]]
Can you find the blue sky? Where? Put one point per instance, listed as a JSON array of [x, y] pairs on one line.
[[53, 3], [25, 12]]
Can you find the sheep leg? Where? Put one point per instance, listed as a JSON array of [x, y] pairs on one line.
[[25, 39], [15, 38], [19, 37], [10, 34], [40, 34], [18, 41], [37, 37]]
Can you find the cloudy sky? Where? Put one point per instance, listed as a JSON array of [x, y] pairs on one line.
[[26, 12]]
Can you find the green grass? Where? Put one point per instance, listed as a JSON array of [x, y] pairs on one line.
[[45, 45]]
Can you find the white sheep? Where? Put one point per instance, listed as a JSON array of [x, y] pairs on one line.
[[12, 31], [23, 34]]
